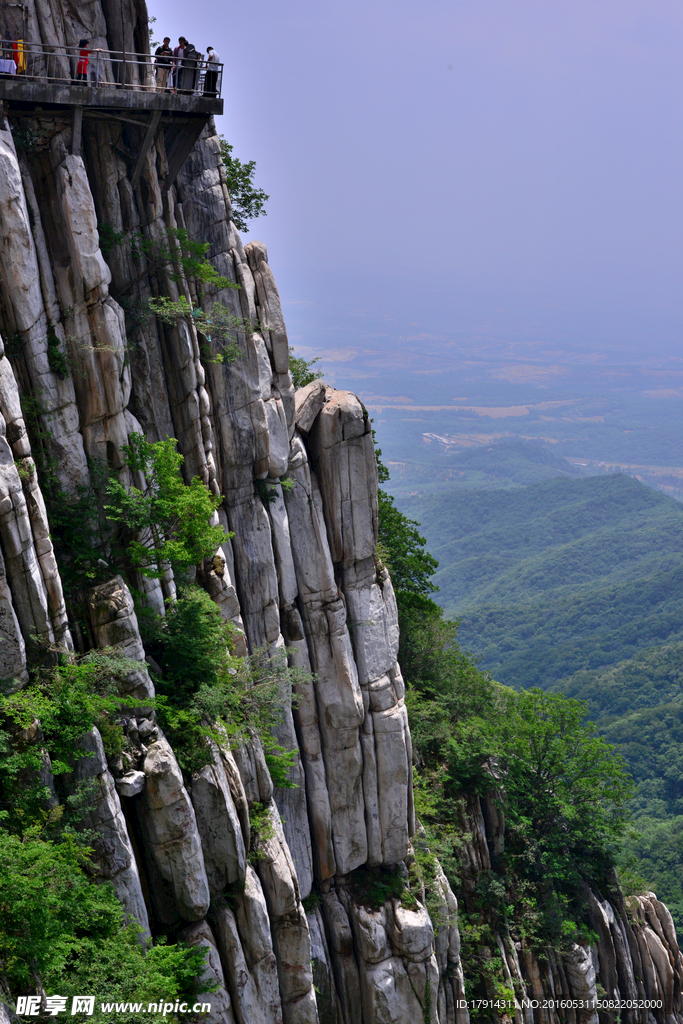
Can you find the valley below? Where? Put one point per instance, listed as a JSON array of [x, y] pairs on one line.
[[547, 480], [573, 585]]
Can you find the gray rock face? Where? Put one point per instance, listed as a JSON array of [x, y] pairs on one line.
[[288, 942], [131, 784], [218, 825], [217, 996], [246, 950], [171, 838], [113, 858], [115, 625]]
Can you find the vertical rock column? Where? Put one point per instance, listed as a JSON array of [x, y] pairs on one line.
[[31, 315], [238, 395], [29, 562], [331, 726], [342, 452], [113, 857]]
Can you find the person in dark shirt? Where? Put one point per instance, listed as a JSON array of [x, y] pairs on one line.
[[178, 53], [164, 65], [191, 58]]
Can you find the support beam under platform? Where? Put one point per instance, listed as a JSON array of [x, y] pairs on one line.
[[76, 131], [183, 117], [147, 143], [179, 141]]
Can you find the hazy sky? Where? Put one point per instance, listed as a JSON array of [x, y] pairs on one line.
[[450, 162]]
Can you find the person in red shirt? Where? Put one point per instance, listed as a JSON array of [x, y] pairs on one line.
[[82, 66]]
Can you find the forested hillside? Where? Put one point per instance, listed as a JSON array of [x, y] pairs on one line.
[[438, 465], [554, 806], [575, 586], [638, 706], [563, 575]]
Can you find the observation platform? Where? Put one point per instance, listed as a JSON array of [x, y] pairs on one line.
[[176, 98], [19, 90]]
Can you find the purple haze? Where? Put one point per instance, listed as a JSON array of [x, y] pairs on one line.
[[445, 163]]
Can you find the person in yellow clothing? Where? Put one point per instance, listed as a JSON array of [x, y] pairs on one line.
[[19, 56]]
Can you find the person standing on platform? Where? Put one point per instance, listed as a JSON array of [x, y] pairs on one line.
[[211, 79], [191, 59], [82, 66], [179, 53], [164, 65], [7, 65]]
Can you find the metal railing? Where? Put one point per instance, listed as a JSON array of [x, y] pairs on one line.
[[96, 68]]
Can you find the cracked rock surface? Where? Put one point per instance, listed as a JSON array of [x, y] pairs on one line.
[[288, 939]]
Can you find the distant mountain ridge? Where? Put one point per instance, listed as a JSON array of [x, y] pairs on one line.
[[519, 462], [502, 464]]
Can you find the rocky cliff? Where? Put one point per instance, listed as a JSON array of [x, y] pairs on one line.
[[299, 572]]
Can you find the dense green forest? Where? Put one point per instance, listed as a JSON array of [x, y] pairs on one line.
[[565, 788], [576, 586], [638, 706], [559, 576]]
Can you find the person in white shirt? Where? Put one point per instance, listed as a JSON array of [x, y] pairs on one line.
[[212, 69], [7, 66]]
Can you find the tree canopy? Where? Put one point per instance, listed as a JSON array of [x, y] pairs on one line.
[[560, 789], [248, 201]]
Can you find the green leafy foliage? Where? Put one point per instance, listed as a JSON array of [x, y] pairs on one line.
[[262, 829], [109, 238], [93, 526], [67, 700], [220, 327], [638, 706], [562, 789], [372, 887], [178, 256], [248, 202], [652, 856], [176, 514], [302, 370], [566, 790], [403, 548], [205, 693], [58, 925], [86, 543], [57, 361]]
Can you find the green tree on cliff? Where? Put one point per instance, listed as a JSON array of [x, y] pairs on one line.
[[248, 201], [562, 789]]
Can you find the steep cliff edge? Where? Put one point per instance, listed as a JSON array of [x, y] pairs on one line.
[[80, 372]]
